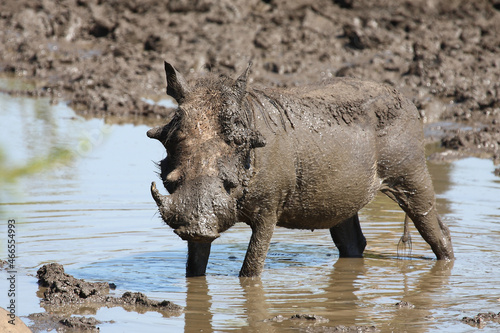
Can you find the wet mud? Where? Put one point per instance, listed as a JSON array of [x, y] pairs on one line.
[[481, 319], [46, 322], [310, 323], [65, 295], [104, 57]]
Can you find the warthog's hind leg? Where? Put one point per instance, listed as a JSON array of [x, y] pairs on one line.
[[349, 238], [415, 195]]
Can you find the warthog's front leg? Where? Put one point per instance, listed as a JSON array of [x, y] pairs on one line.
[[198, 254], [262, 232]]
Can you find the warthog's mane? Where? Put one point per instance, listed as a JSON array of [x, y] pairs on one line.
[[222, 92], [236, 110]]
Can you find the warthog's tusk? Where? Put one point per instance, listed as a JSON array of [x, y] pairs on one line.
[[162, 201]]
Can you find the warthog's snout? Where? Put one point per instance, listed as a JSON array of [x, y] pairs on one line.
[[196, 234], [188, 226]]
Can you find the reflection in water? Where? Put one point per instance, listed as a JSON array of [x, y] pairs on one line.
[[345, 296], [256, 306], [96, 217], [420, 291], [198, 303], [343, 287]]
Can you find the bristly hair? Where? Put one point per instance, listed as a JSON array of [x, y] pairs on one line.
[[158, 168], [234, 107], [216, 86]]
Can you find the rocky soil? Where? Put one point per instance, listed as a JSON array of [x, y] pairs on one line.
[[105, 57]]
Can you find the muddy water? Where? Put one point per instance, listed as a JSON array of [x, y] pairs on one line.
[[95, 216]]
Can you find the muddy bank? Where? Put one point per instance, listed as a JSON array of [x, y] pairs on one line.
[[104, 56], [65, 295]]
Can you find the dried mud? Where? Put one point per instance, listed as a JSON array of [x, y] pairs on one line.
[[104, 57]]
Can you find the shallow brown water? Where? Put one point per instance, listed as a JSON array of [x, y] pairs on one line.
[[95, 216]]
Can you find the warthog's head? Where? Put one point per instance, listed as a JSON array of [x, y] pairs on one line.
[[209, 143]]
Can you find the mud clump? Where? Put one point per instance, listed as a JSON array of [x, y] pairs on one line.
[[342, 329], [80, 323], [139, 299], [480, 141], [315, 320], [304, 317], [481, 319], [51, 321], [404, 305], [65, 295], [63, 289]]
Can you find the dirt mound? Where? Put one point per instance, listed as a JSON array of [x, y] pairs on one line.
[[63, 289], [64, 295]]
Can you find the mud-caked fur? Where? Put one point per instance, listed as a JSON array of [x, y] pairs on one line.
[[305, 158]]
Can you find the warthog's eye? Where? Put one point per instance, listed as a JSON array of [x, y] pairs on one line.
[[238, 140], [228, 175], [177, 137], [228, 185]]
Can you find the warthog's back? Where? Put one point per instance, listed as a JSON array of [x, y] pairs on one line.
[[328, 141], [341, 102]]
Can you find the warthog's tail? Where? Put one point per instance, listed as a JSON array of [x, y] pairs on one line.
[[404, 244]]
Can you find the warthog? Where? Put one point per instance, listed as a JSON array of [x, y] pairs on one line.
[[305, 158]]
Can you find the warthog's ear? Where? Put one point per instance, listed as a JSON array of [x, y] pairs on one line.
[[240, 85], [176, 85]]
